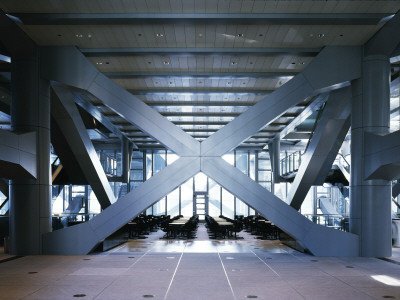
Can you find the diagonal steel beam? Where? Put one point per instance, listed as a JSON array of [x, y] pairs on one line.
[[69, 66], [67, 116], [319, 240], [333, 68], [81, 239], [95, 113], [325, 143]]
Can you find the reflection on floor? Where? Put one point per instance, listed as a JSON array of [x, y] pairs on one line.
[[199, 269]]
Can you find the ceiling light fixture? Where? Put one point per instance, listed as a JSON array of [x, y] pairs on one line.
[[159, 35], [79, 35], [321, 35], [234, 63], [239, 35], [166, 62]]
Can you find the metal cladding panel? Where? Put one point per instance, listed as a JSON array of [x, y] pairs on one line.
[[18, 151], [326, 141], [333, 67], [81, 239], [319, 240], [382, 156], [144, 117], [70, 123], [256, 117]]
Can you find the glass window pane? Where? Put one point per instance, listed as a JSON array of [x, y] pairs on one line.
[[159, 208], [137, 164], [264, 164], [242, 162], [173, 203], [159, 161], [137, 154], [227, 204], [241, 208], [136, 175], [263, 154], [171, 157], [264, 175], [187, 198], [200, 182], [266, 185], [149, 211], [253, 166], [229, 158], [148, 166], [135, 184], [214, 201]]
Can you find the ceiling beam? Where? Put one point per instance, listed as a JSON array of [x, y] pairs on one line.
[[200, 19], [200, 103], [210, 51], [205, 75], [202, 91]]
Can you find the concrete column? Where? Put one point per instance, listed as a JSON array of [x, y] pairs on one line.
[[370, 200], [30, 199]]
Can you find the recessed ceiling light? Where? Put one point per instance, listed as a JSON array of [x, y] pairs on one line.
[[166, 62], [200, 35], [89, 36], [159, 35], [311, 35], [321, 35], [79, 35], [302, 63], [239, 35], [99, 63], [233, 63]]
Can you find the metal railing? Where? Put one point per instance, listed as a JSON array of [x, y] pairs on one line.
[[108, 163], [290, 164], [333, 221]]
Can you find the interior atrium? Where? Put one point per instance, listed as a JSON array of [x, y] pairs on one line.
[[199, 149]]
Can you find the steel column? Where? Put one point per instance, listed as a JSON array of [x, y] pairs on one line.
[[30, 206], [370, 205]]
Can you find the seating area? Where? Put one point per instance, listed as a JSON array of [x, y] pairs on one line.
[[261, 227], [180, 227], [223, 227], [143, 225]]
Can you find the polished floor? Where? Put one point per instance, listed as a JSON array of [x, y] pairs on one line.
[[246, 268]]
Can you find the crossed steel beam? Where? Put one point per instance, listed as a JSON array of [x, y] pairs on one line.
[[333, 68]]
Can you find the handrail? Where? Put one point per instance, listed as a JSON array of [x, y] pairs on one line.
[[344, 158], [395, 202]]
